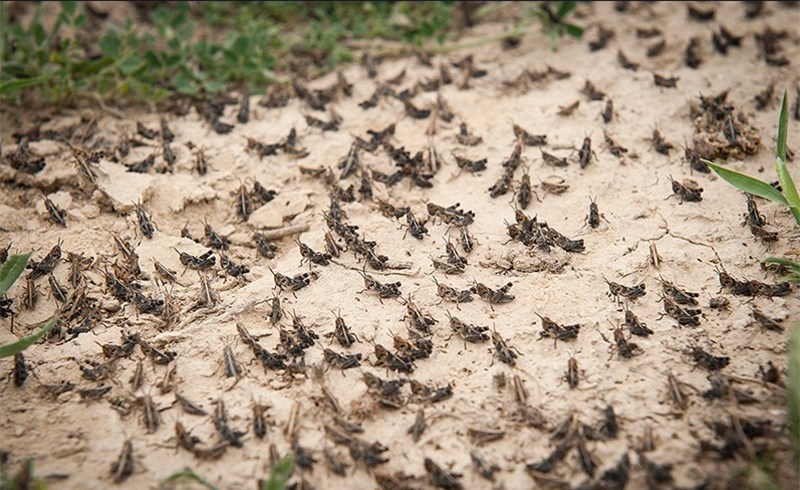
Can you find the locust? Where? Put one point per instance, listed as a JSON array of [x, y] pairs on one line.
[[660, 144], [666, 82], [451, 294], [389, 290], [585, 152], [441, 478], [636, 326], [553, 330], [342, 333], [468, 332], [189, 407], [312, 256], [625, 349], [465, 138], [471, 166], [233, 437], [572, 374], [684, 316], [56, 214], [592, 92], [567, 110], [392, 361], [503, 351], [215, 240], [608, 112], [527, 138], [497, 297], [629, 292], [688, 190], [122, 468], [342, 361], [625, 62]]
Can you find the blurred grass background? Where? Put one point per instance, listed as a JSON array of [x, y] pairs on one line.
[[59, 52], [63, 50]]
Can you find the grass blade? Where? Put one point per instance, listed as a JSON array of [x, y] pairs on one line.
[[565, 8], [11, 270], [279, 474], [748, 184], [793, 388], [781, 261], [787, 183], [188, 474], [24, 343], [783, 127], [573, 30], [11, 86]]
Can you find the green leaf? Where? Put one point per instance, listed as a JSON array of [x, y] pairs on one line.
[[38, 33], [130, 64], [784, 177], [22, 344], [86, 68], [188, 474], [11, 270], [11, 86], [793, 388], [781, 261], [787, 183], [109, 45], [573, 30], [106, 85], [279, 474], [783, 127], [69, 8], [185, 84], [748, 184], [565, 8], [241, 45], [214, 86]]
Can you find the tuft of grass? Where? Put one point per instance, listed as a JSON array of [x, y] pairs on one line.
[[9, 273], [188, 49]]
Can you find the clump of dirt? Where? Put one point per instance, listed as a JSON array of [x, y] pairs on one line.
[[721, 132]]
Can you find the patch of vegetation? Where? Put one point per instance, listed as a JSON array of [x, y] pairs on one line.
[[207, 47], [189, 49]]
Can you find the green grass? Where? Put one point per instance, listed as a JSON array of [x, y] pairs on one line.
[[211, 46], [188, 49]]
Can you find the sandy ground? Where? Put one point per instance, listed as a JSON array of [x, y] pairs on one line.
[[75, 441]]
